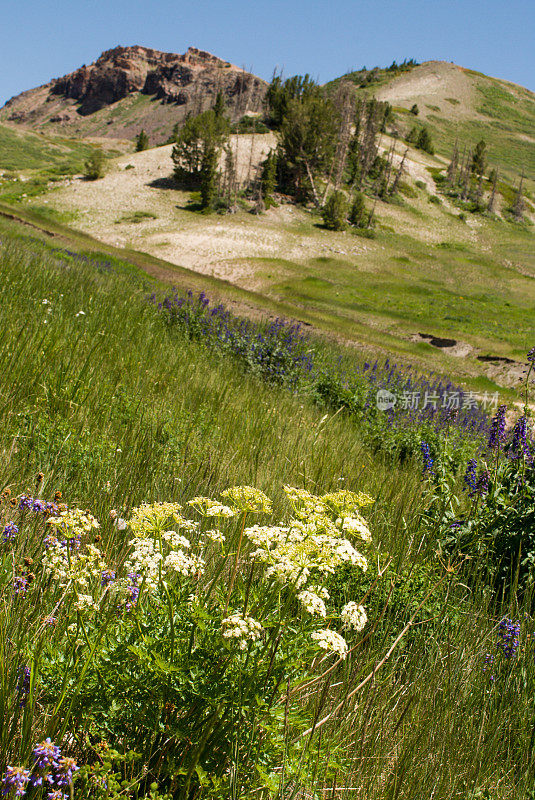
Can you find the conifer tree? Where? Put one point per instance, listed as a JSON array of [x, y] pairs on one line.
[[268, 179], [209, 177], [452, 168], [219, 105], [357, 214], [479, 158], [424, 141], [142, 141], [334, 212]]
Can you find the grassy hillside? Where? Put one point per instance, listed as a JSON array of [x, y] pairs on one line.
[[107, 401], [428, 271], [23, 150], [463, 105]]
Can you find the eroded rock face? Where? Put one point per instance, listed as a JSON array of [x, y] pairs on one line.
[[192, 79]]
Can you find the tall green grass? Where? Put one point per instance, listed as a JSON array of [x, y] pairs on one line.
[[115, 408]]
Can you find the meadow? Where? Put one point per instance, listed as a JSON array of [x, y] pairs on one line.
[[225, 574]]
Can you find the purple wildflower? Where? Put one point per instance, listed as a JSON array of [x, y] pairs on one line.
[[20, 585], [497, 429], [470, 477], [427, 458], [15, 778], [108, 576], [65, 770], [531, 356], [9, 533], [508, 637], [482, 485]]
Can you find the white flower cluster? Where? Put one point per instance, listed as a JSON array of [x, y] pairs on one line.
[[330, 641], [78, 567], [249, 499], [184, 564], [84, 602], [150, 518], [73, 522], [145, 560], [354, 616], [306, 546], [241, 627], [312, 602], [355, 526], [211, 508]]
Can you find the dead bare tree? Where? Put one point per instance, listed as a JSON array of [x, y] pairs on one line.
[[399, 173], [518, 207], [492, 198]]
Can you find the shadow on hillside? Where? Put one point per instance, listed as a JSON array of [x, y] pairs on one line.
[[168, 183]]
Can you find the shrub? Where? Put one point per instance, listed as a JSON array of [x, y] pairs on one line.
[[142, 141], [94, 166], [424, 142], [334, 212], [414, 110]]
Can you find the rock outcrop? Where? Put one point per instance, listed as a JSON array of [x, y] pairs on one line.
[[188, 82]]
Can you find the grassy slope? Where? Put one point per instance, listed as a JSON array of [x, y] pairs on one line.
[[23, 150], [115, 408], [427, 271]]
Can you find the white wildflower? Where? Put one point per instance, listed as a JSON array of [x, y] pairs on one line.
[[241, 627], [215, 536], [176, 540], [357, 527], [330, 641], [84, 602], [354, 616], [184, 564], [312, 603]]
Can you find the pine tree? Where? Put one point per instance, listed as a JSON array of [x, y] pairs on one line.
[[94, 166], [479, 158], [415, 110], [334, 212], [357, 215], [424, 142], [219, 105], [142, 141], [209, 177]]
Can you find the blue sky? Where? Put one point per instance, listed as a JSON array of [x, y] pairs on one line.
[[43, 39]]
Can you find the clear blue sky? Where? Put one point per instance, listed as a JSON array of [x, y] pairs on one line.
[[43, 39]]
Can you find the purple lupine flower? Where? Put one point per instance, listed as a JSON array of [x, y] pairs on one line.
[[497, 429], [15, 778], [50, 621], [132, 590], [482, 485], [531, 356], [470, 477], [508, 637], [519, 441], [427, 458], [57, 794], [23, 684], [46, 754], [108, 576], [9, 533], [20, 585], [38, 506], [64, 771], [25, 502]]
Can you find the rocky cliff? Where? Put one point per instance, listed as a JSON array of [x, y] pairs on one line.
[[127, 88]]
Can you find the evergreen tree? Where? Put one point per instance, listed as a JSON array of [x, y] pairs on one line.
[[198, 134], [412, 136], [424, 141], [94, 166], [357, 215], [209, 177], [452, 168], [479, 158], [142, 141], [219, 105], [414, 110], [334, 212]]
